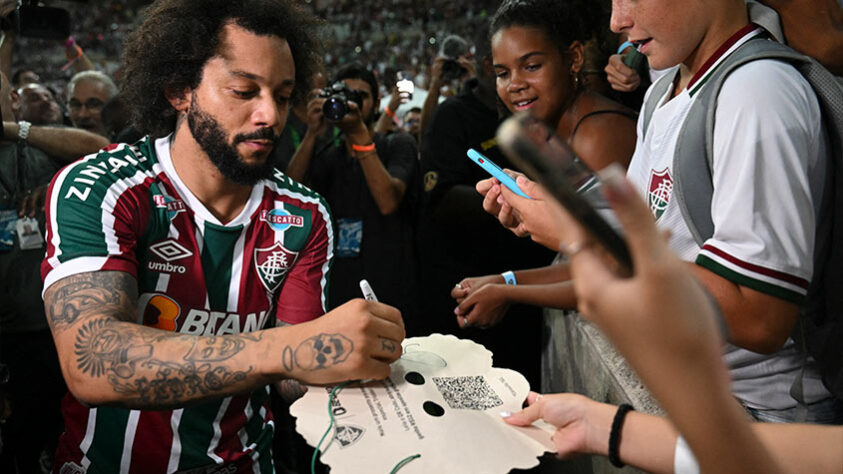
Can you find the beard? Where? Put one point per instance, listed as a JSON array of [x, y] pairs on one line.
[[211, 137]]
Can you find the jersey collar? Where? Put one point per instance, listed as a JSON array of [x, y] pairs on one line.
[[162, 149], [734, 42]]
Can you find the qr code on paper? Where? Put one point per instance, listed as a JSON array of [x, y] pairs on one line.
[[472, 393]]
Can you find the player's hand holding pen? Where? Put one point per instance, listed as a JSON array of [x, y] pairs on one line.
[[357, 340]]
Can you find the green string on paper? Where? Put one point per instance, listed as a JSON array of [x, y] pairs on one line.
[[333, 393]]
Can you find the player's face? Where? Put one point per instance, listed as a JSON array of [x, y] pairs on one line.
[[669, 32], [239, 109], [532, 73]]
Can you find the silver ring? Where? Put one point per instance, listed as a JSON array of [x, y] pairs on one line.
[[465, 322], [459, 286]]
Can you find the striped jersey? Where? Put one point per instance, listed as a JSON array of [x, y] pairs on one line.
[[126, 209]]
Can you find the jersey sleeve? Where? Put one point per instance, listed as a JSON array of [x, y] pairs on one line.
[[93, 217], [304, 295], [769, 161]]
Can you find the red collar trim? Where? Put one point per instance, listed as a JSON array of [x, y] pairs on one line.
[[721, 51]]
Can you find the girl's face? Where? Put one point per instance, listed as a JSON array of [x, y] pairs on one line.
[[532, 73]]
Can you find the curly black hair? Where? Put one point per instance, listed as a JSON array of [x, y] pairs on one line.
[[170, 48], [562, 22]]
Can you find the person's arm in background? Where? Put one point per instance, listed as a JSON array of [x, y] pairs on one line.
[[387, 190], [316, 126], [66, 144], [8, 39], [813, 27], [76, 57], [387, 121], [433, 93]]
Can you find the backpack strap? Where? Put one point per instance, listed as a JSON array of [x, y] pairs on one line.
[[656, 92], [694, 193]]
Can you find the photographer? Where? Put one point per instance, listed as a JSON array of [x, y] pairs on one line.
[[454, 63], [369, 180]]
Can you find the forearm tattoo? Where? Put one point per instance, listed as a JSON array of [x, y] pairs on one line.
[[154, 368]]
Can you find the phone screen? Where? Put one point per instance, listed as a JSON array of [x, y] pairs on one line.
[[548, 160], [405, 87]]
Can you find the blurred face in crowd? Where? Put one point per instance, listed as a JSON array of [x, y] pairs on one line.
[[367, 111], [532, 73], [28, 77], [239, 109], [412, 122], [36, 104], [86, 103]]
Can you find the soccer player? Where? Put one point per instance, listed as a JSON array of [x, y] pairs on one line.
[[169, 261]]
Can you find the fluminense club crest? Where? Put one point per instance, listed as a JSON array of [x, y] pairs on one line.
[[661, 188], [272, 265], [347, 435]]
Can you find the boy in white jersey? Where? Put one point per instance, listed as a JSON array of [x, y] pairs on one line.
[[770, 156], [169, 261]]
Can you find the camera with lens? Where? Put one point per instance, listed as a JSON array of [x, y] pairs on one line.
[[30, 19], [452, 48], [338, 96]]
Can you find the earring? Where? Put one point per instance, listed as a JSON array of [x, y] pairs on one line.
[[576, 78]]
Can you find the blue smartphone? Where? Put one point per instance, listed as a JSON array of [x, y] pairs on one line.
[[495, 171]]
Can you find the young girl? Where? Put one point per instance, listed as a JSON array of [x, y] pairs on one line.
[[538, 52]]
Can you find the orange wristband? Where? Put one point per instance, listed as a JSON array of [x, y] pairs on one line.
[[389, 112], [363, 148]]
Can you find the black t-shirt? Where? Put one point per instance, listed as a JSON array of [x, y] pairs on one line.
[[22, 168], [458, 239], [387, 251], [465, 238], [288, 142]]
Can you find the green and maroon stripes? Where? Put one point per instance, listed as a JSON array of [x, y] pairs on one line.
[[772, 282]]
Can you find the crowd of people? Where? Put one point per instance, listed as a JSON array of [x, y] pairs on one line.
[[248, 163]]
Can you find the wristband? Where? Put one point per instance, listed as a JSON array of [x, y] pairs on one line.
[[23, 130], [509, 277], [389, 112], [615, 435], [684, 461], [363, 148]]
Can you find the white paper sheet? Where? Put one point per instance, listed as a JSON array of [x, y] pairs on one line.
[[442, 400]]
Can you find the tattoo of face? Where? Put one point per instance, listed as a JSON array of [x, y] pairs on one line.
[[214, 349], [388, 345], [102, 350], [287, 358], [323, 351]]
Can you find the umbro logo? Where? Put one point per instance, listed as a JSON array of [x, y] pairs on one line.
[[170, 250]]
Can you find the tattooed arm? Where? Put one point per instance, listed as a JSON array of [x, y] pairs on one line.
[[108, 358]]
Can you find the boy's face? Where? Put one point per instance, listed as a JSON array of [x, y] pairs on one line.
[[668, 32]]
